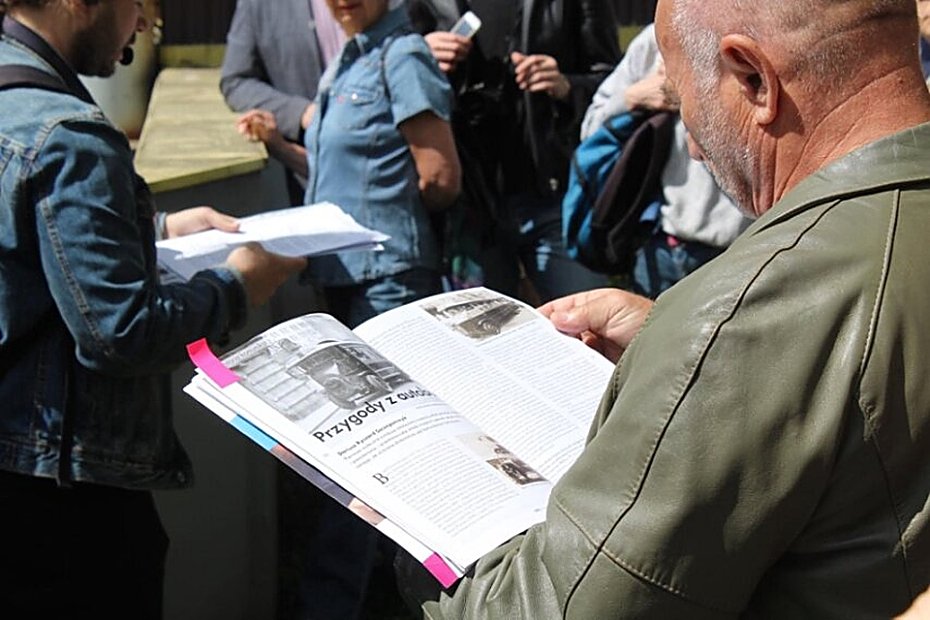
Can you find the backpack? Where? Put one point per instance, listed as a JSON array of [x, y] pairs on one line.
[[615, 175]]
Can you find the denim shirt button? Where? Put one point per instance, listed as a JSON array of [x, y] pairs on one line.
[[181, 477]]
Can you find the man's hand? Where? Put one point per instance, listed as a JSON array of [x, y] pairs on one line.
[[539, 73], [650, 93], [197, 219], [448, 49], [262, 272], [259, 126], [604, 319]]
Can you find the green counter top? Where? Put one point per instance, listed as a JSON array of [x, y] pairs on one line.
[[189, 136]]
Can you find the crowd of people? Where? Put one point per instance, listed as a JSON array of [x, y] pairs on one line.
[[763, 449]]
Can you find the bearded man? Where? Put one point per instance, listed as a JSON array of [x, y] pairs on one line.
[[88, 335]]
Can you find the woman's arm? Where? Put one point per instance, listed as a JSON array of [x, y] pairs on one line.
[[433, 149]]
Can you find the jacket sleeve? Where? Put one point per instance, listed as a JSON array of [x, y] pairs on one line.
[[244, 79], [97, 253], [701, 472]]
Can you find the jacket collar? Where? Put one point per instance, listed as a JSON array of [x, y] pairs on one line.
[[896, 160], [27, 37]]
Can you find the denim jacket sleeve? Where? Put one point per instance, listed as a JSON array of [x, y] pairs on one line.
[[95, 231]]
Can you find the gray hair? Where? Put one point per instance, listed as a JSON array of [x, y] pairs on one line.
[[798, 24]]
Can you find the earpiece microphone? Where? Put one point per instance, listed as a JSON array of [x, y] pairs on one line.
[[127, 56]]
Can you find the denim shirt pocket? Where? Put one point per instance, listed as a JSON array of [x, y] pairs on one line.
[[354, 106]]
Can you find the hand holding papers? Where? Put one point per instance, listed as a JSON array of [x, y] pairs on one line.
[[311, 230]]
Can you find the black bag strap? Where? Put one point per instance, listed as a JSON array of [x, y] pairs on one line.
[[25, 76]]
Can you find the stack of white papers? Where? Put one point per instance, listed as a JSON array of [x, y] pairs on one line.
[[311, 230]]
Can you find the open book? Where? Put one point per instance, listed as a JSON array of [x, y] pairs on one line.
[[311, 230], [444, 423]]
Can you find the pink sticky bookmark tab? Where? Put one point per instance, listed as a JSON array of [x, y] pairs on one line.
[[205, 360], [440, 570]]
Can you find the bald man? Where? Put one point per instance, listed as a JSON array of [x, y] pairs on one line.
[[764, 447]]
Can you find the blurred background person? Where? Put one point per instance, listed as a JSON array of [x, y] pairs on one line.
[[275, 55], [694, 220], [380, 146], [522, 86], [923, 18]]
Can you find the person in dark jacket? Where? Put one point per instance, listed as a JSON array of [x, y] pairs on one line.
[[522, 86]]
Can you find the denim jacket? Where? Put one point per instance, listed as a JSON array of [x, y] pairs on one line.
[[87, 333], [360, 160]]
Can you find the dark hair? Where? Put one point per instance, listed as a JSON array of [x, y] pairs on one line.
[[6, 4]]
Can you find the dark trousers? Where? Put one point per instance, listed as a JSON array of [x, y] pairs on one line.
[[87, 551]]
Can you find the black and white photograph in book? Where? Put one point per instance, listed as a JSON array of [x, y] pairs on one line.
[[478, 313], [350, 373], [334, 376], [501, 459]]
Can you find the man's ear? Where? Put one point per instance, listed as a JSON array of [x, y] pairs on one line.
[[747, 62]]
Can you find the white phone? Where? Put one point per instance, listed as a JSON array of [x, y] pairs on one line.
[[467, 25]]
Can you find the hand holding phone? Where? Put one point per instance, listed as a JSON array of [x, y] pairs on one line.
[[467, 25]]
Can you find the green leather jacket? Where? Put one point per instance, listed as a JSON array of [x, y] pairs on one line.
[[763, 450]]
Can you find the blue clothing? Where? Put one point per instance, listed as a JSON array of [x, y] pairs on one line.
[[663, 260], [529, 243], [354, 305], [87, 334], [358, 158], [925, 57]]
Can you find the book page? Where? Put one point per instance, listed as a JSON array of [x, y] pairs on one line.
[[383, 436], [361, 510], [297, 231], [503, 366]]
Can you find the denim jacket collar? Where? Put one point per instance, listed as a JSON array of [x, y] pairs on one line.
[[26, 36]]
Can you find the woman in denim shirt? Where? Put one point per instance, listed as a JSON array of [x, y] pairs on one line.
[[380, 146]]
